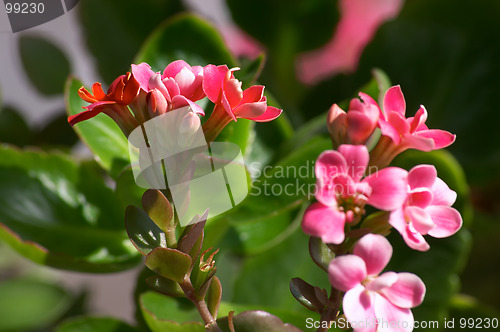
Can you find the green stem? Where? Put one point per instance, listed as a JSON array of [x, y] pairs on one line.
[[201, 305]]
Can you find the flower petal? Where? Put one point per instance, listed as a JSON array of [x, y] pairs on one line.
[[356, 157], [414, 141], [213, 81], [442, 194], [414, 239], [324, 222], [419, 119], [234, 93], [270, 114], [421, 197], [142, 72], [359, 307], [389, 188], [394, 101], [181, 101], [388, 130], [346, 272], [175, 68], [407, 292], [253, 94], [398, 122], [441, 138], [250, 110], [392, 318], [383, 281], [420, 219], [91, 111], [448, 220], [422, 176], [375, 250], [328, 164]]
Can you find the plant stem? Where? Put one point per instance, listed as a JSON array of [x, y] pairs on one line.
[[201, 305], [330, 313]]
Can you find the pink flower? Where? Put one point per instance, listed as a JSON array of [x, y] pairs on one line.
[[342, 193], [427, 209], [180, 85], [371, 296], [355, 126], [360, 20], [401, 133], [231, 101]]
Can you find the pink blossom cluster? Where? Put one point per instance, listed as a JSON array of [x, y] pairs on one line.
[[416, 203], [143, 94]]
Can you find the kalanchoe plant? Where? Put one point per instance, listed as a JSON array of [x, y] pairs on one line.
[[351, 246]]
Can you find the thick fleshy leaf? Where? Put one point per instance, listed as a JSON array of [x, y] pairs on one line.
[[165, 286], [169, 263], [94, 324], [46, 199], [346, 272], [306, 294], [167, 314], [256, 321], [142, 231], [45, 64], [159, 209], [214, 296], [102, 135], [407, 292], [375, 250], [320, 253], [13, 127], [30, 304]]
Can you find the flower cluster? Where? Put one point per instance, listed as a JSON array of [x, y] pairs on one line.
[[415, 203], [143, 94]]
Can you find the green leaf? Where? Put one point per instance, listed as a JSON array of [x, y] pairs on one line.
[[169, 263], [45, 64], [13, 127], [214, 296], [142, 231], [251, 70], [279, 264], [47, 201], [30, 304], [167, 314], [264, 218], [307, 294], [101, 134], [111, 34], [127, 191], [256, 321], [185, 37], [159, 210], [165, 286], [94, 324], [320, 253]]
